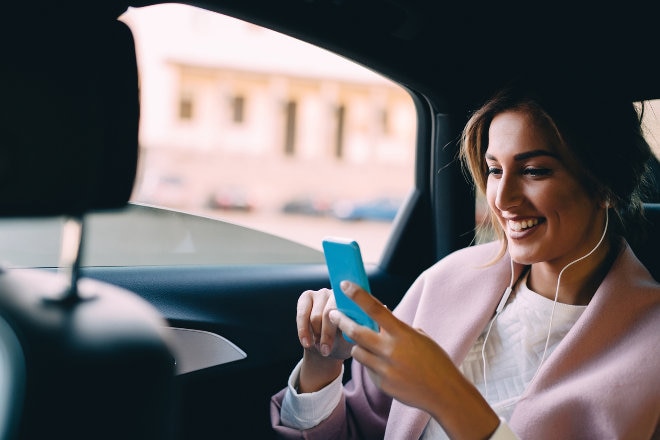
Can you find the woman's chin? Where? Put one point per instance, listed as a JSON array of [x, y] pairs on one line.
[[522, 256]]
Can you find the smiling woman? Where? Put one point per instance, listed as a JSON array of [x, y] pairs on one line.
[[520, 361]]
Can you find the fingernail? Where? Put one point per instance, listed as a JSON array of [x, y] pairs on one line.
[[325, 349], [305, 342], [345, 286], [334, 316]]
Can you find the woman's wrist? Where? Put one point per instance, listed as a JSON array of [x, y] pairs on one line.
[[317, 371], [464, 413]]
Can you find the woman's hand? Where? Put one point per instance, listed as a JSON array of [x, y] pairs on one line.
[[325, 347], [411, 367]]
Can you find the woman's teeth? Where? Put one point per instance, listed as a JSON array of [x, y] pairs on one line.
[[524, 224]]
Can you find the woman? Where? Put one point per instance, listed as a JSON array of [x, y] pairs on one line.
[[549, 332]]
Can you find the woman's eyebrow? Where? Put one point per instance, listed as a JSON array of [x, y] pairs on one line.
[[534, 153], [527, 155]]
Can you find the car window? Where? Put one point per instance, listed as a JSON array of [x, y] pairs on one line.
[[651, 124], [253, 147], [257, 129]]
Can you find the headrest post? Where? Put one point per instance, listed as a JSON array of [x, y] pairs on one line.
[[70, 255]]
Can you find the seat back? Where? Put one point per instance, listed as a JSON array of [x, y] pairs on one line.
[[12, 381], [96, 359], [647, 251], [98, 368]]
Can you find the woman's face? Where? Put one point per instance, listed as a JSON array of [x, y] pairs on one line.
[[542, 207]]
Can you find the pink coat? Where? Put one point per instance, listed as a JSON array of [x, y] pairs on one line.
[[602, 381]]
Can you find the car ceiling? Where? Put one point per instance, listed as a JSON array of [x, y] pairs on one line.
[[457, 52]]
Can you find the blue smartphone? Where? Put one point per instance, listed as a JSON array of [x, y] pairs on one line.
[[344, 261]]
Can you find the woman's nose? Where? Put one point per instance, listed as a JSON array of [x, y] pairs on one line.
[[509, 194]]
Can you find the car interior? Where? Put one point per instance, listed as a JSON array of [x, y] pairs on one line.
[[101, 349]]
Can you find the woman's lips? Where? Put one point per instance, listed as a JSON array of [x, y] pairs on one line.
[[519, 225], [520, 228]]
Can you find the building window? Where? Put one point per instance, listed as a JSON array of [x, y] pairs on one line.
[[384, 121], [186, 106], [340, 118], [290, 128], [238, 109]]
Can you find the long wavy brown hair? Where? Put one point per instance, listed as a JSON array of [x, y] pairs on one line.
[[601, 136]]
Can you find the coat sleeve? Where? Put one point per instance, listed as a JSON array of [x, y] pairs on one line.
[[361, 413]]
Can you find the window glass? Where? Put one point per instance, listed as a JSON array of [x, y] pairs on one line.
[[651, 124], [651, 127], [256, 129]]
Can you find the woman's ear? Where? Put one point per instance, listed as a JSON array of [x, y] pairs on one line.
[[606, 200]]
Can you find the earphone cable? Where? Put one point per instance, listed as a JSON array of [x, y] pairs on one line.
[[552, 314], [505, 298]]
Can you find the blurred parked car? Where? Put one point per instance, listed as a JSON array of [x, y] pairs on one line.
[[308, 205], [381, 209], [164, 190], [230, 199]]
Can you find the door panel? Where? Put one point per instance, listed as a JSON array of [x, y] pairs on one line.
[[254, 308]]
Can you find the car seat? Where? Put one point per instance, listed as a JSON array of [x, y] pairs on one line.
[[79, 358], [647, 249]]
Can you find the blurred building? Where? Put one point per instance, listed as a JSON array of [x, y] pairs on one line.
[[226, 104]]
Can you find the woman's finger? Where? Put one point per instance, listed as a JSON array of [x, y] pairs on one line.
[[360, 334], [309, 315], [329, 329], [369, 360], [370, 305], [303, 310]]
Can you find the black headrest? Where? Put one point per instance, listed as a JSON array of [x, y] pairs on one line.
[[69, 123]]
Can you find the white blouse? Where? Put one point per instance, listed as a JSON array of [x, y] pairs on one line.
[[513, 350]]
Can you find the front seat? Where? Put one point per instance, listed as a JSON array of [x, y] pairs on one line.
[[80, 358]]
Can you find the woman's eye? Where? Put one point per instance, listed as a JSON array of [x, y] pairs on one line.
[[494, 170], [536, 172]]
